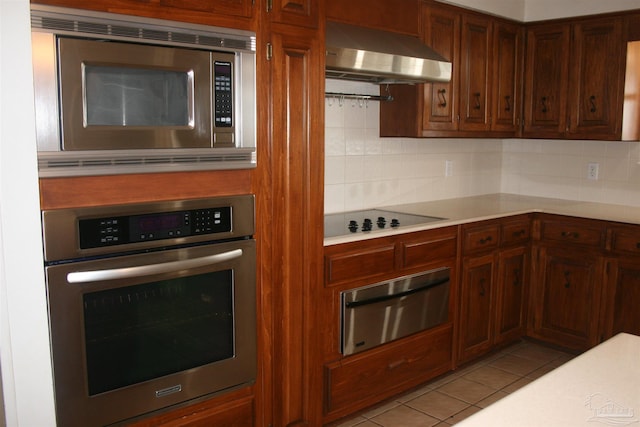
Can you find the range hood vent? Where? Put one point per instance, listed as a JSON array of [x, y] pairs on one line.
[[363, 54]]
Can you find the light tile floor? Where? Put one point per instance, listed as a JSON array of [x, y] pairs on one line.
[[455, 396]]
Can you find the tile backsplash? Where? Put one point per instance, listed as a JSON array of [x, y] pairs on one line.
[[363, 170]]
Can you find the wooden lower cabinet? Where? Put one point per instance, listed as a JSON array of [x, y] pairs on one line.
[[361, 380], [511, 293], [567, 297], [621, 298], [477, 293], [493, 288]]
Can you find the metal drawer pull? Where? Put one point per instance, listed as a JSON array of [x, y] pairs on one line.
[[507, 98], [570, 234], [592, 101], [147, 270], [544, 104], [397, 363], [518, 233], [486, 240]]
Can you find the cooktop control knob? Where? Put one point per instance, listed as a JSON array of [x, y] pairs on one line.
[[367, 225], [381, 222], [395, 223], [353, 226]]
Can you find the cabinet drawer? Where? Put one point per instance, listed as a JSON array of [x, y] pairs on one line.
[[625, 241], [421, 252], [359, 381], [517, 232], [363, 263], [480, 238], [572, 232]]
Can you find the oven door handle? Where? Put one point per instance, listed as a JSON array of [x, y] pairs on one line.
[[147, 270]]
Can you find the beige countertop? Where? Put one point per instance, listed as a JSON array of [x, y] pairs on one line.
[[598, 388], [478, 208]]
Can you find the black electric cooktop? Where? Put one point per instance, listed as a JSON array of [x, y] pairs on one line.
[[341, 224]]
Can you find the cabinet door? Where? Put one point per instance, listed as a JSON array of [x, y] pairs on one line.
[[305, 13], [547, 62], [476, 305], [442, 33], [513, 267], [621, 298], [507, 81], [569, 299], [596, 81], [225, 13], [475, 46]]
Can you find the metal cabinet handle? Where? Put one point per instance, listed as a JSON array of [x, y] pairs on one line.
[[507, 99], [485, 240], [592, 101], [482, 289], [147, 270], [544, 104], [442, 96], [397, 363], [638, 245], [516, 278], [567, 283], [477, 97], [519, 233], [570, 234]]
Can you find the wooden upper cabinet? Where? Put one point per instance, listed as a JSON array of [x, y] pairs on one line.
[[304, 13], [398, 16], [442, 33], [596, 79], [508, 56], [547, 64], [475, 68], [574, 79], [483, 97], [225, 13]]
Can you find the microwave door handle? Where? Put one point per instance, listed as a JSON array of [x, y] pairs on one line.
[[147, 270]]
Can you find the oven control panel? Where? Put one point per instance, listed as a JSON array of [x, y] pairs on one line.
[[120, 230]]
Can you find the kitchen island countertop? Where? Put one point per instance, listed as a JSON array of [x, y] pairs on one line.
[[598, 388], [478, 208]]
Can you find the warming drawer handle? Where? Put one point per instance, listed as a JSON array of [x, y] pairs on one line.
[[147, 270], [353, 304]]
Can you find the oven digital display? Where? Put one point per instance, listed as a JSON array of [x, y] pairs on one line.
[[99, 232], [158, 223]]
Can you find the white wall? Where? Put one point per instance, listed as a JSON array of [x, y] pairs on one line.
[[538, 10], [363, 170], [24, 343]]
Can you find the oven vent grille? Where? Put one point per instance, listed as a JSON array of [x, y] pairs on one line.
[[57, 164], [124, 27]]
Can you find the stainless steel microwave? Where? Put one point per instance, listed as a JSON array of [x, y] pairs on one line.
[[117, 94]]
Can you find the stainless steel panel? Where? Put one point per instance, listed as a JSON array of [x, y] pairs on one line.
[[62, 240], [383, 312]]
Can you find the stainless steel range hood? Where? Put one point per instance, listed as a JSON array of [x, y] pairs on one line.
[[363, 54]]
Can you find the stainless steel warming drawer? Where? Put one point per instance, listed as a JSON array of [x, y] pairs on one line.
[[385, 311]]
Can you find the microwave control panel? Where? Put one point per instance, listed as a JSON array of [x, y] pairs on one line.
[[120, 230], [223, 78]]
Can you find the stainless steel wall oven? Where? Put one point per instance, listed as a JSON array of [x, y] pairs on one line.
[[150, 305]]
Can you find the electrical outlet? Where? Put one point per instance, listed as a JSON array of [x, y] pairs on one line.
[[448, 168], [592, 171]]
